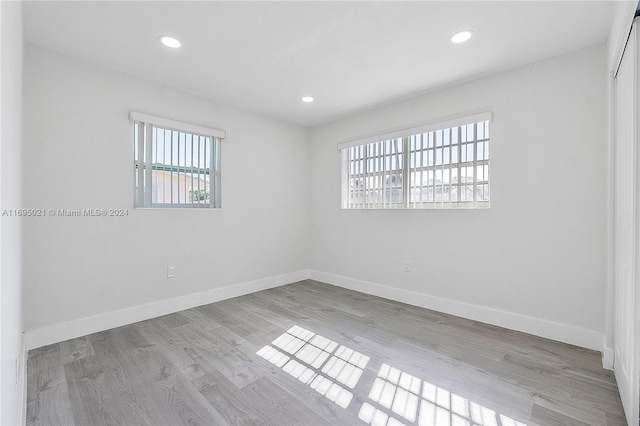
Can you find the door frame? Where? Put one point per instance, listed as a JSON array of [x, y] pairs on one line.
[[609, 344]]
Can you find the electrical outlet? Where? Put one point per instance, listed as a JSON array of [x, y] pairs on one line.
[[171, 271], [406, 266]]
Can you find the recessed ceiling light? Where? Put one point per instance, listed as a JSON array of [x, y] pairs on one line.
[[307, 99], [461, 37], [170, 42]]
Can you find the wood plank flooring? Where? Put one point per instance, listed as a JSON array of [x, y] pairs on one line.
[[313, 354]]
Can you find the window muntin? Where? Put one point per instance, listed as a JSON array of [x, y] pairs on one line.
[[375, 174], [175, 168], [436, 166]]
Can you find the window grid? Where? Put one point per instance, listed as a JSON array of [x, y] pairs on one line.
[[376, 174], [443, 168]]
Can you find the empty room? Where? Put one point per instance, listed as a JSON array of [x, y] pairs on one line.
[[320, 213]]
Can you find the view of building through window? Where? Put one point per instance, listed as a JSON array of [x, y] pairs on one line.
[[442, 168], [174, 168]]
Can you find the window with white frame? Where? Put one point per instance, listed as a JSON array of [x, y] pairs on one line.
[[442, 165], [176, 165]]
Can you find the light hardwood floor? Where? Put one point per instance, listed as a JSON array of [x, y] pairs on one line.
[[313, 354]]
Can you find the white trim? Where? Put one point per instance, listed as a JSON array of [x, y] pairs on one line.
[[424, 128], [560, 332], [81, 327], [629, 16], [22, 398], [608, 342], [608, 357], [177, 125], [548, 329], [607, 354], [626, 318]]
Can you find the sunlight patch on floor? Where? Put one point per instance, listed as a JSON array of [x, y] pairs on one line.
[[317, 363], [414, 399]]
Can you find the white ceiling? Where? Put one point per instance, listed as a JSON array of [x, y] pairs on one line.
[[350, 56]]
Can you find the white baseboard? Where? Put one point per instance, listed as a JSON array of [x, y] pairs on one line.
[[548, 329], [81, 327]]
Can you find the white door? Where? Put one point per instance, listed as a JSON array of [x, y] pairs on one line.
[[626, 274]]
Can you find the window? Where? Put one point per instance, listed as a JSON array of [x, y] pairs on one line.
[[443, 165], [176, 165]]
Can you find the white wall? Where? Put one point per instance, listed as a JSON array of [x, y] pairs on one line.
[[538, 256], [11, 342], [78, 154], [536, 261]]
